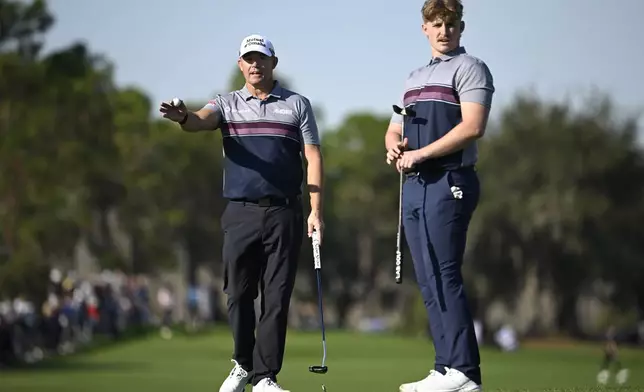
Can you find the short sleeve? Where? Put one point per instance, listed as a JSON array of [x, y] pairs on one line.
[[395, 117], [474, 83], [216, 104], [308, 124]]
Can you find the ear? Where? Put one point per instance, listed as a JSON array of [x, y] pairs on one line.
[[462, 26], [423, 27], [239, 64], [275, 61]]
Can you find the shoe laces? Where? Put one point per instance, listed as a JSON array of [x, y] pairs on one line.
[[273, 384], [238, 372], [432, 373], [449, 372]]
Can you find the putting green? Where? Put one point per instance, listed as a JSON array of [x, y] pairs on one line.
[[357, 362]]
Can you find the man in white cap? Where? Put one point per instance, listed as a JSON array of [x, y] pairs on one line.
[[265, 129]]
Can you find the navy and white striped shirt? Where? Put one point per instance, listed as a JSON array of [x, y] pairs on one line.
[[436, 90], [263, 142]]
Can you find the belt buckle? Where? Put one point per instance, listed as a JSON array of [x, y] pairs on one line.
[[264, 202]]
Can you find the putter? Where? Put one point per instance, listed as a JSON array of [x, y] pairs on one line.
[[407, 111], [319, 369]]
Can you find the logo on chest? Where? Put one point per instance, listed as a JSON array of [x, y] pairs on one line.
[[283, 111]]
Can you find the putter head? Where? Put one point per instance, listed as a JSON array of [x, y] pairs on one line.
[[318, 369], [408, 111]]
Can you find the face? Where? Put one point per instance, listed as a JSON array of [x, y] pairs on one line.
[[443, 36], [257, 67]]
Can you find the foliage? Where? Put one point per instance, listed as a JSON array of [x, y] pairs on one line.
[[84, 163]]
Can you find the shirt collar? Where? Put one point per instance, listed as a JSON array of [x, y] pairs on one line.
[[275, 92], [449, 55]]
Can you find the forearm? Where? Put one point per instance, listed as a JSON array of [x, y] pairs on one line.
[[392, 139], [194, 123], [456, 139], [315, 175]]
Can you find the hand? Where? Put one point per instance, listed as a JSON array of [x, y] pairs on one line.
[[314, 223], [410, 159], [398, 166], [174, 113], [393, 154]]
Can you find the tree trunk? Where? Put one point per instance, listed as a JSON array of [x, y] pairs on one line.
[[365, 254], [135, 252], [343, 304], [192, 250], [639, 292], [567, 314], [104, 228]]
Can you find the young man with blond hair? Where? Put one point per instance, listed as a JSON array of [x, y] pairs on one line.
[[451, 97]]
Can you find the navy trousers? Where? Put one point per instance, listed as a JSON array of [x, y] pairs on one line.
[[437, 208]]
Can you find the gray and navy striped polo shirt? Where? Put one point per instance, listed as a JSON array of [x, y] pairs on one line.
[[436, 92], [263, 142]]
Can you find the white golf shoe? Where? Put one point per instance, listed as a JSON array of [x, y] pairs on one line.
[[622, 376], [603, 376], [423, 385], [236, 380], [268, 385], [452, 381]]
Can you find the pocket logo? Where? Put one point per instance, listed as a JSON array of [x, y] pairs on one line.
[[457, 192]]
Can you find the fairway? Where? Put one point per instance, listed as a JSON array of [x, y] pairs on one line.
[[357, 362]]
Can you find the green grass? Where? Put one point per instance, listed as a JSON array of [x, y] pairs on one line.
[[356, 363]]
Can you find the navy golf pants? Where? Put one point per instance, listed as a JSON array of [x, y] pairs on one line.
[[437, 208]]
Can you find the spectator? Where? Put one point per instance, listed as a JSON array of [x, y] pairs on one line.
[[165, 298]]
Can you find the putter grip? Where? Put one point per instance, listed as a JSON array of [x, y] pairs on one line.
[[399, 260], [316, 250], [399, 254]]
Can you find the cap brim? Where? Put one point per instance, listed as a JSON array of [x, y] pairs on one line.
[[256, 48]]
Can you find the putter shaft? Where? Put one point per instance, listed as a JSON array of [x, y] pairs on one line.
[[318, 266]]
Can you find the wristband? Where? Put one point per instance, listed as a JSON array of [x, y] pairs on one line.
[[184, 120]]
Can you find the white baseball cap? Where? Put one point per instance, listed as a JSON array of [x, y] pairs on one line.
[[256, 43]]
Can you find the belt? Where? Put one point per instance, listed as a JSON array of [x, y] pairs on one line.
[[269, 201], [434, 170]]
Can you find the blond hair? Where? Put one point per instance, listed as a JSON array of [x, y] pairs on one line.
[[445, 10]]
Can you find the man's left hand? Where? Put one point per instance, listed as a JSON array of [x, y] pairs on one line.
[[315, 223], [410, 159]]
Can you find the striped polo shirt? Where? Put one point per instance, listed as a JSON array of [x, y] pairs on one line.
[[263, 142], [436, 91]]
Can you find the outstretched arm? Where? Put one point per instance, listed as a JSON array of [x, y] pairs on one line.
[[208, 118], [204, 119]]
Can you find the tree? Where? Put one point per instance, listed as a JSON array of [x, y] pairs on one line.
[[560, 190], [361, 203], [22, 26], [55, 122]]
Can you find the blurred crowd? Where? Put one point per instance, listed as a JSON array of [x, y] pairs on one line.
[[78, 310]]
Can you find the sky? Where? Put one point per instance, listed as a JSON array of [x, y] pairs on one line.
[[354, 55]]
